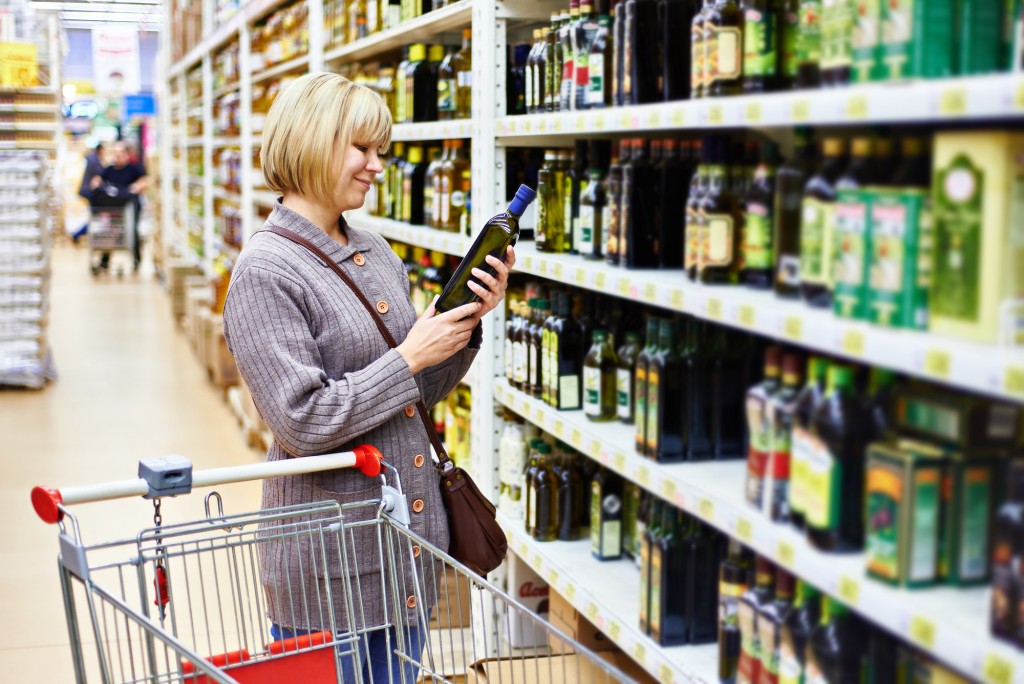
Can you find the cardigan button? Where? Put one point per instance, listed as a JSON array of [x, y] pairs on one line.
[[359, 259], [416, 551], [382, 307], [418, 460], [411, 602], [410, 410], [417, 506]]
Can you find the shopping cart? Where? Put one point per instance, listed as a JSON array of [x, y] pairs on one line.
[[184, 602], [111, 225]]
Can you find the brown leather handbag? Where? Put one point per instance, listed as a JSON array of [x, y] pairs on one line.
[[476, 539]]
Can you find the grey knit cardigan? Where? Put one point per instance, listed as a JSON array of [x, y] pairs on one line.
[[324, 380]]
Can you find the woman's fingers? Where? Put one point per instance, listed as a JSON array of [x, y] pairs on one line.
[[486, 278]]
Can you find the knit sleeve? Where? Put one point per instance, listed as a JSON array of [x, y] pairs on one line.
[[267, 327]]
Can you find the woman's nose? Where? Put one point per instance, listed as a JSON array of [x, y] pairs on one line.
[[374, 163]]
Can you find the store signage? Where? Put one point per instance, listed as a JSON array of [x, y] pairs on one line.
[[19, 66], [115, 60]]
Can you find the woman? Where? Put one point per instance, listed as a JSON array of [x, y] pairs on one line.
[[320, 372]]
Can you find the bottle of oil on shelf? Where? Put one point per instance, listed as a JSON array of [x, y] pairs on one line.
[[675, 19], [699, 186], [540, 313], [761, 54], [648, 540], [789, 189], [759, 398], [643, 362], [432, 186], [606, 515], [614, 225], [637, 229], [734, 579], [575, 183], [594, 216], [801, 439], [542, 497], [599, 66], [530, 73], [567, 348], [624, 377], [796, 630], [567, 77], [723, 49], [464, 77], [817, 210], [836, 648], [722, 225], [412, 187], [570, 495], [665, 429], [552, 66], [668, 614], [751, 603], [769, 627], [779, 415], [447, 86], [809, 44], [698, 56], [672, 175], [759, 222], [599, 395]]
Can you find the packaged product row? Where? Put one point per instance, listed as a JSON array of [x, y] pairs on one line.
[[346, 21]]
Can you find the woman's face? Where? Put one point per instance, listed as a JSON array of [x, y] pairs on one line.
[[359, 164]]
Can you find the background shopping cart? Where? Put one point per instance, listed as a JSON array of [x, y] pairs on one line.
[[184, 602], [111, 226]]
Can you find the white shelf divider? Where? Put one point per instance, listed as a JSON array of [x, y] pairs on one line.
[[433, 130], [296, 64]]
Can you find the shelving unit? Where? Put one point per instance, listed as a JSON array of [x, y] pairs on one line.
[[949, 623]]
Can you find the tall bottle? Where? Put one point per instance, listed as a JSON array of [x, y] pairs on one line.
[[424, 84], [447, 86], [552, 65], [802, 445], [575, 182], [614, 199], [647, 543], [464, 77], [734, 580], [797, 626], [548, 359], [498, 234], [533, 83], [780, 411], [599, 66], [599, 396], [836, 648], [452, 197], [753, 601], [761, 54], [723, 49], [594, 215], [789, 34], [835, 472], [638, 236], [606, 515], [668, 616], [567, 348], [624, 380], [618, 39], [838, 23], [643, 51], [789, 190], [808, 45], [570, 495], [543, 498], [536, 362], [769, 627], [704, 552], [672, 176], [413, 179], [721, 225], [698, 191], [759, 222], [818, 207], [758, 400], [432, 186], [665, 397], [567, 79], [511, 321], [674, 22], [530, 507], [520, 346], [643, 361]]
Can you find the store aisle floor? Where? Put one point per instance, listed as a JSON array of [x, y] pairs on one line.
[[129, 387]]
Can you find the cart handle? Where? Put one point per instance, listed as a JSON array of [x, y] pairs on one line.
[[48, 502]]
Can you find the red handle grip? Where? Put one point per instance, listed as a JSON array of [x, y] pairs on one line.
[[368, 459], [46, 501]]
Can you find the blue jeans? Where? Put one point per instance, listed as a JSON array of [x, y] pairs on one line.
[[376, 654]]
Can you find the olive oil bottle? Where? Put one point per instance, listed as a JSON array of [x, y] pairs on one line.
[[624, 377], [796, 629], [751, 603], [567, 350], [769, 627], [668, 614], [594, 216], [643, 362], [614, 226], [809, 45], [722, 225], [542, 497], [801, 445], [761, 53], [599, 403], [672, 175], [723, 49], [699, 184], [665, 427], [606, 515], [758, 256], [734, 579], [789, 188], [817, 216]]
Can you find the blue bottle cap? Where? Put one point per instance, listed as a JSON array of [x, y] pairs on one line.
[[523, 199]]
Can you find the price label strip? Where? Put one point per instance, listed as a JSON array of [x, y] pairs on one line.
[[922, 631]]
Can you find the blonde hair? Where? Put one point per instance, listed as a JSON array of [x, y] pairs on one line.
[[310, 120]]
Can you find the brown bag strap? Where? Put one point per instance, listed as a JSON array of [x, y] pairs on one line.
[[444, 461]]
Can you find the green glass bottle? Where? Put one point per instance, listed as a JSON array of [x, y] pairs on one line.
[[530, 512], [750, 606], [643, 361], [537, 361], [594, 215], [647, 542], [497, 235], [568, 351], [795, 631], [570, 495], [665, 395], [801, 445], [599, 380], [734, 579], [544, 492], [836, 649], [624, 380], [769, 627], [667, 612], [606, 515]]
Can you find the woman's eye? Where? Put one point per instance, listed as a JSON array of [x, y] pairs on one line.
[[363, 148]]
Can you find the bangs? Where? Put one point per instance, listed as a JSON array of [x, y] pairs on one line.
[[367, 119]]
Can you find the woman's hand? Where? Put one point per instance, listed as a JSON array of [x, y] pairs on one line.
[[494, 292], [435, 337]]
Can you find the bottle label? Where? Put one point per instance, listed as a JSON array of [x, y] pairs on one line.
[[823, 477], [624, 392], [592, 391], [645, 559], [652, 411], [640, 410], [808, 45], [529, 88], [850, 254], [531, 509], [406, 199], [611, 538], [727, 57], [790, 58], [800, 448], [458, 199], [790, 670], [446, 94], [567, 221], [816, 241], [692, 237], [759, 44], [569, 392], [757, 236], [768, 633], [696, 58], [533, 365], [788, 271], [551, 365], [750, 652], [586, 244], [837, 29], [509, 363], [595, 518], [519, 355], [595, 82], [464, 79], [958, 220], [655, 599], [444, 202], [545, 367], [718, 240], [611, 229]]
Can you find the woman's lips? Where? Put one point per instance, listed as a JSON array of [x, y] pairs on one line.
[[365, 184]]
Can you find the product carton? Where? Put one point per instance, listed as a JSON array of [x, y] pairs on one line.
[[867, 37], [556, 669], [900, 262], [219, 361], [961, 421], [851, 246], [968, 501], [979, 232], [178, 271], [527, 587], [904, 483], [566, 618], [918, 39]]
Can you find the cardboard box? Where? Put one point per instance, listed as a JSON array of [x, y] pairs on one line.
[[178, 271], [219, 361], [531, 590], [564, 616], [554, 669], [454, 603]]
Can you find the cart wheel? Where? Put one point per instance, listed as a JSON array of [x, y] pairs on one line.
[[95, 270], [120, 273]]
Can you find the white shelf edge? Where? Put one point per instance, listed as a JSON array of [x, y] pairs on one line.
[[226, 90], [453, 16], [418, 236], [226, 142], [221, 193], [953, 620], [432, 130], [672, 665], [29, 127], [985, 368], [282, 68], [194, 142], [31, 109], [941, 100]]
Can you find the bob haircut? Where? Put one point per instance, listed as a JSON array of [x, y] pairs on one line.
[[309, 122]]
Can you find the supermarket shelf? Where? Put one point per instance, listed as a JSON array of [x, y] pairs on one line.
[[973, 98], [422, 29], [31, 109], [36, 90], [471, 376], [265, 198], [607, 592], [282, 68], [226, 89], [985, 368], [418, 236], [226, 142], [222, 194], [195, 180], [28, 145], [949, 622], [30, 127], [194, 142], [434, 130], [195, 111]]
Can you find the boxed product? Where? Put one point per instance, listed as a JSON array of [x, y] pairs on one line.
[[867, 36], [178, 271], [554, 669], [564, 616], [918, 39], [962, 421], [968, 500], [900, 257], [219, 361], [851, 248], [904, 483], [979, 231], [531, 590]]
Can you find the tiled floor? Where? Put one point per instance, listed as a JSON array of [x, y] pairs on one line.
[[129, 387]]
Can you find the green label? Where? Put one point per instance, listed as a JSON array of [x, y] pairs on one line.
[[866, 38], [545, 366], [446, 88], [884, 498], [749, 642], [567, 203], [645, 559], [823, 478], [652, 411], [759, 44], [849, 262], [977, 506], [586, 233], [837, 33], [924, 523], [592, 391], [790, 55], [958, 218], [623, 392], [808, 45], [640, 409], [757, 236], [900, 262], [816, 241]]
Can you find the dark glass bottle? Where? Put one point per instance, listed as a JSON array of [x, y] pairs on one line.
[[835, 650], [618, 41], [647, 542], [761, 54], [797, 626], [807, 403], [1007, 542], [614, 199], [779, 415], [516, 86], [722, 225], [817, 209], [723, 49], [548, 360], [835, 497], [447, 86], [698, 60], [789, 34], [594, 215], [673, 177], [759, 222], [536, 362], [575, 183], [432, 186], [424, 83], [599, 380], [751, 603], [703, 556], [624, 380], [643, 361], [582, 36], [915, 167], [808, 45], [599, 66], [758, 398], [530, 509], [699, 184], [789, 191], [568, 72], [570, 494], [769, 627], [552, 67], [544, 502], [695, 386], [642, 70], [667, 618], [665, 397], [734, 579], [675, 20], [568, 350], [413, 177], [498, 234], [637, 232], [534, 80], [606, 515]]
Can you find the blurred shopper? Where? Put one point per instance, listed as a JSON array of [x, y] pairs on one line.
[[93, 168], [126, 177]]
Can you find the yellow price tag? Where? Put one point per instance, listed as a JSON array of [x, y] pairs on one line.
[[626, 120], [653, 119], [570, 592], [528, 263], [853, 343], [538, 416], [639, 653], [665, 674], [752, 112], [676, 299], [678, 117], [744, 530], [557, 270], [857, 107], [595, 449], [922, 631], [715, 308], [748, 316], [599, 280], [524, 550], [592, 611], [559, 428], [620, 461], [537, 561], [614, 630], [599, 122], [716, 115], [801, 110], [556, 125], [1013, 381], [793, 328], [849, 590], [937, 363], [650, 293], [624, 287], [706, 509], [542, 125], [1020, 96], [953, 102], [668, 490], [576, 439], [528, 126], [543, 268], [643, 476], [580, 123], [786, 554], [997, 670], [580, 276], [553, 578]]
